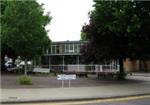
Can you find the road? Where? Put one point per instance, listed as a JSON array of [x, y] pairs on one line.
[[95, 88], [131, 100], [46, 81]]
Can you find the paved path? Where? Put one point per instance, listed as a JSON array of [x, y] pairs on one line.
[[55, 94], [50, 94], [141, 74]]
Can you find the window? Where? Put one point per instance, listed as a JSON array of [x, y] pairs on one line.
[[71, 50], [76, 48], [54, 49], [66, 48]]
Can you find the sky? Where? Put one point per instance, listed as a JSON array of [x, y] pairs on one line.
[[68, 17]]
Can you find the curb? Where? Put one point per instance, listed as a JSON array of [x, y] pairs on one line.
[[71, 99]]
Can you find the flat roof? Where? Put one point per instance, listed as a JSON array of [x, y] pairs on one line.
[[66, 42], [62, 54]]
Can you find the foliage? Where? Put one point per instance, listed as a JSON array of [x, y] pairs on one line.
[[5, 49], [118, 30], [83, 36], [24, 30], [25, 80]]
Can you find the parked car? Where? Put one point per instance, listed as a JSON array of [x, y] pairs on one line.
[[8, 64], [10, 67]]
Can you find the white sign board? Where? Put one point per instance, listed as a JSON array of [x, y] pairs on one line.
[[66, 77]]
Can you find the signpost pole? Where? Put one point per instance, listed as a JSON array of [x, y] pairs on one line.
[[62, 83], [64, 77], [69, 83]]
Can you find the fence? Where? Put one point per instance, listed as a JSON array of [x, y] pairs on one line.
[[85, 68]]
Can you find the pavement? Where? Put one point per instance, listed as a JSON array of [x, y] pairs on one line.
[[74, 93], [141, 74]]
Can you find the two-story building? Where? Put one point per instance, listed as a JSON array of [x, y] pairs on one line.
[[63, 53]]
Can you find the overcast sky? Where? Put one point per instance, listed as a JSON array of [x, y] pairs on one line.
[[68, 18]]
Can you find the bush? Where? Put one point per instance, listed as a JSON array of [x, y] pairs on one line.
[[25, 80]]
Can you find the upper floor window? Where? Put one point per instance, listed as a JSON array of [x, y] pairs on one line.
[[66, 48], [54, 49]]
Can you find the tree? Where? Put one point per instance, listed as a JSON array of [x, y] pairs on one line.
[[141, 37], [116, 30], [24, 29], [5, 49]]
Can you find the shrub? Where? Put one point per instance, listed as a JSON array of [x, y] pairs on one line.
[[25, 80]]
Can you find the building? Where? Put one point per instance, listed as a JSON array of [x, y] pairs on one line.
[[64, 55], [136, 65]]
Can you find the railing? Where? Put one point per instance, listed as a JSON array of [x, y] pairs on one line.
[[84, 68]]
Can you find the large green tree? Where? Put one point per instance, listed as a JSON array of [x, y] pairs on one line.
[[5, 49], [118, 30], [24, 28]]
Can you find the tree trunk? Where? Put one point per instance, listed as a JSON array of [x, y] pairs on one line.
[[121, 70], [140, 65], [13, 62], [145, 65], [39, 60], [25, 67]]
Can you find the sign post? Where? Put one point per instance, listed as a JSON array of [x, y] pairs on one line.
[[69, 83], [69, 77], [62, 83]]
